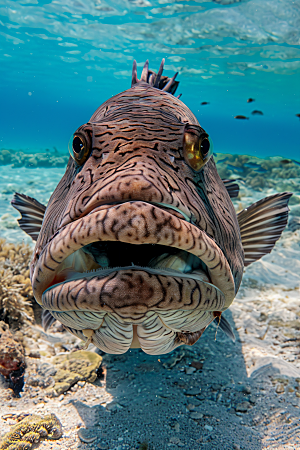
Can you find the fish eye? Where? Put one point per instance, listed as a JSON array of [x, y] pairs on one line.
[[197, 149], [79, 147]]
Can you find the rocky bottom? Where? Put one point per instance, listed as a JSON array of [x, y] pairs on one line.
[[195, 397]]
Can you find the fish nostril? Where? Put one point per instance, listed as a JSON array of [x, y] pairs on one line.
[[171, 158]]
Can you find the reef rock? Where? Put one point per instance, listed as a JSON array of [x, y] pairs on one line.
[[73, 367], [12, 359], [30, 430]]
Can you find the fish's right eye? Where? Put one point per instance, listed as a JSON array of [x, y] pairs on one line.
[[79, 146], [197, 149]]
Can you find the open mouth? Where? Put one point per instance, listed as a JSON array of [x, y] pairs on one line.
[[133, 274]]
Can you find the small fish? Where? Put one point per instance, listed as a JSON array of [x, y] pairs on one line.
[[286, 161], [124, 260], [241, 117], [256, 112], [295, 162], [255, 167], [261, 170], [237, 169], [205, 103], [222, 160], [297, 115], [250, 100]]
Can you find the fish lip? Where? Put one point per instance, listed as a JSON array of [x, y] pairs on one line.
[[190, 295], [98, 224]]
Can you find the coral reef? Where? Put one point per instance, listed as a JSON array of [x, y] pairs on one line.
[[15, 289], [73, 367], [258, 173], [30, 430], [20, 159], [12, 359]]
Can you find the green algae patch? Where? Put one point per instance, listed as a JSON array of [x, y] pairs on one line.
[[30, 430], [73, 367]]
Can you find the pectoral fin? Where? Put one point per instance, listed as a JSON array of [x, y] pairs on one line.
[[225, 326], [32, 213], [47, 319], [232, 188], [261, 225]]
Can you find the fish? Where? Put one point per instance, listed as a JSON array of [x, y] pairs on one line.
[[235, 168], [139, 245], [297, 115], [250, 100], [241, 117], [256, 167], [252, 165], [256, 112], [204, 103]]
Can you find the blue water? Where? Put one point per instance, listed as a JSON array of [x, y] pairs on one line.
[[61, 59]]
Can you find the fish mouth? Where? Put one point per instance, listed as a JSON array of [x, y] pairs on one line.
[[133, 274]]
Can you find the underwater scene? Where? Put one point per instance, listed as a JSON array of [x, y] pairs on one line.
[[150, 224]]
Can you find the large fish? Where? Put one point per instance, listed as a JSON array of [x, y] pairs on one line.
[[140, 245]]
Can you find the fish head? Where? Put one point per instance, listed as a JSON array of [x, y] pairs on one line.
[[140, 244]]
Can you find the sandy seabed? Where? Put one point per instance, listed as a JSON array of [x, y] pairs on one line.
[[214, 395]]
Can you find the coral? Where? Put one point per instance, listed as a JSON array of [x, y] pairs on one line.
[[15, 289], [20, 159], [257, 172], [12, 359], [30, 430], [76, 366]]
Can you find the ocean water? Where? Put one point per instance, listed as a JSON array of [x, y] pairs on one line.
[[61, 59]]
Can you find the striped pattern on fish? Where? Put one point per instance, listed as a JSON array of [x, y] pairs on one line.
[[140, 244]]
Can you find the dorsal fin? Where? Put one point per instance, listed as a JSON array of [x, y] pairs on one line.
[[156, 80], [232, 188], [32, 213], [261, 225]]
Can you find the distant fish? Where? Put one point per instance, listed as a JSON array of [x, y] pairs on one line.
[[261, 170], [250, 100], [237, 169], [256, 112], [222, 160], [295, 162], [286, 161], [241, 117], [252, 165], [205, 103], [297, 115]]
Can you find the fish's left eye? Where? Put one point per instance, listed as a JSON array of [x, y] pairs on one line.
[[79, 146], [197, 149]]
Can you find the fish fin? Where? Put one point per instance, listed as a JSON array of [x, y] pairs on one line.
[[261, 225], [32, 213], [155, 79], [225, 327], [47, 319], [232, 188]]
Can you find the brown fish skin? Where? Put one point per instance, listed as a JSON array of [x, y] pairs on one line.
[[241, 117], [137, 144], [134, 187]]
